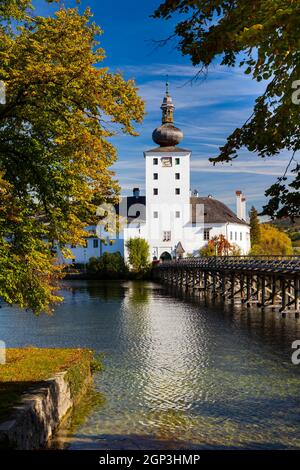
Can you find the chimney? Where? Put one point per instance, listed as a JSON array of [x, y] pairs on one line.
[[244, 208], [240, 205], [239, 209], [136, 192], [195, 193]]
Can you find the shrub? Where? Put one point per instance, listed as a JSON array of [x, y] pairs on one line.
[[219, 246], [138, 254], [108, 266]]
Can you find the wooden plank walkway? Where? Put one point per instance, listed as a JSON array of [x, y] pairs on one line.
[[266, 281]]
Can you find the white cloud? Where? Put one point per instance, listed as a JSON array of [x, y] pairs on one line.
[[222, 85], [207, 112], [258, 167]]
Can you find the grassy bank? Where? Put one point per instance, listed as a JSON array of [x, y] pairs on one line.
[[27, 367]]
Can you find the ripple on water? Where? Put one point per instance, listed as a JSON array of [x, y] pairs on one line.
[[178, 374]]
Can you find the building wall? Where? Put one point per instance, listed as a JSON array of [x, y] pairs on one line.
[[239, 235], [193, 238], [173, 215], [93, 247], [167, 212]]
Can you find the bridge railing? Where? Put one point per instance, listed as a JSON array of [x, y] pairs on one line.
[[263, 262]]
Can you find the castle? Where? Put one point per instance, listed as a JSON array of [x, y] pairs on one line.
[[175, 221]]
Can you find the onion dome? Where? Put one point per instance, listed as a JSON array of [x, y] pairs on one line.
[[167, 135]]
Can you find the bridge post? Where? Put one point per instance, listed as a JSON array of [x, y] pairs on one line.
[[249, 284], [242, 287], [232, 287], [283, 295], [205, 281], [273, 295], [263, 291], [296, 295]]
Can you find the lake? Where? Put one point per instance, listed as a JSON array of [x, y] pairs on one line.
[[179, 373]]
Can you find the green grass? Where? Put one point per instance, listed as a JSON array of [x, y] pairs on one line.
[[26, 367]]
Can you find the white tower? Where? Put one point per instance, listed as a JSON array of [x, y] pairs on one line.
[[167, 186]]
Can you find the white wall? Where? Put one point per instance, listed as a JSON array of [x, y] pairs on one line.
[[193, 238], [240, 235], [166, 203], [82, 254]]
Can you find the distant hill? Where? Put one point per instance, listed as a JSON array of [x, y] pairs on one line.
[[292, 229], [286, 224]]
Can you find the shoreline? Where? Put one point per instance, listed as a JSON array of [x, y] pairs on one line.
[[42, 401]]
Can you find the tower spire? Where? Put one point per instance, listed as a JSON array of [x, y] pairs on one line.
[[167, 135], [167, 106]]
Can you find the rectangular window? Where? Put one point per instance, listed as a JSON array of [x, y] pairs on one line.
[[177, 191], [235, 236], [95, 243], [155, 176], [241, 236], [166, 236], [231, 236], [155, 161], [155, 191], [177, 161], [177, 214], [155, 215], [177, 176], [206, 235]]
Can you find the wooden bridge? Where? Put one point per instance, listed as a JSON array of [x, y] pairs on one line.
[[264, 281]]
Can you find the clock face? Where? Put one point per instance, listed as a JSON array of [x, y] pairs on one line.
[[166, 161]]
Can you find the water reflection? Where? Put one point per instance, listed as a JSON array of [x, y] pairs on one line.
[[179, 373]]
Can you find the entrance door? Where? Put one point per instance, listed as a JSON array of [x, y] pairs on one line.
[[165, 256]]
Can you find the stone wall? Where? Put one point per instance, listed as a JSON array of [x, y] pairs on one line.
[[34, 421]]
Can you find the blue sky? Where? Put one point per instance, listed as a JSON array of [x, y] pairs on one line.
[[206, 111]]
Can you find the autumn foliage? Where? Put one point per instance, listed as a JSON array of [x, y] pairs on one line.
[[62, 109], [262, 38], [272, 242], [219, 246]]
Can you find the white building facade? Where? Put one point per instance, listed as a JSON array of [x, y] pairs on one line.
[[174, 221]]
